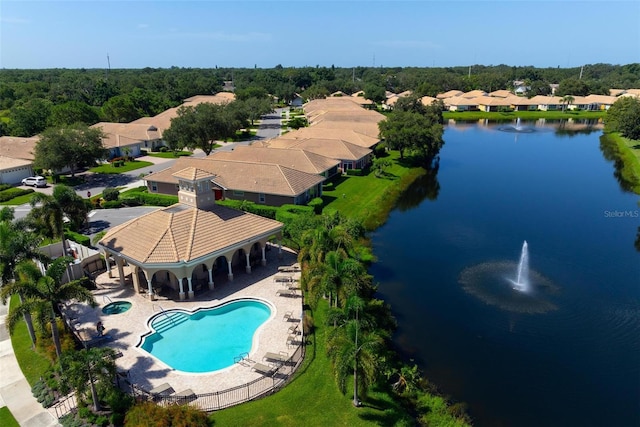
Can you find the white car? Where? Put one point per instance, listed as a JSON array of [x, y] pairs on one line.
[[35, 181]]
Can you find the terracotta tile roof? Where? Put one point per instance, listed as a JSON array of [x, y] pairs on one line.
[[474, 93], [18, 147], [183, 233], [162, 121], [449, 94], [8, 162], [192, 174], [123, 134], [254, 177], [500, 93], [427, 100], [298, 159], [345, 134], [600, 99], [334, 148], [218, 98]]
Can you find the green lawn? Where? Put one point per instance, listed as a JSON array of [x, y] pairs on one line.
[[525, 115], [312, 398], [170, 154], [32, 363], [128, 166], [20, 200], [369, 197], [629, 153], [7, 419]]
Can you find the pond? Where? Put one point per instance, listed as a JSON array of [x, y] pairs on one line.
[[569, 352]]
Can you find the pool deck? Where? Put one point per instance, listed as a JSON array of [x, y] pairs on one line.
[[124, 330]]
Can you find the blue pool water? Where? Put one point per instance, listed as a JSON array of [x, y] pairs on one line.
[[208, 339]]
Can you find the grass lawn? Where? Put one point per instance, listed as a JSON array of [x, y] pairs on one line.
[[32, 363], [170, 154], [128, 166], [312, 398], [629, 153], [369, 197], [525, 115], [20, 200], [7, 419], [68, 180]]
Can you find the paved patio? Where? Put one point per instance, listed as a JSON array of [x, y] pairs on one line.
[[147, 372]]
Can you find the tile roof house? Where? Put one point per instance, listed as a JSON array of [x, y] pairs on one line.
[[349, 155], [259, 182], [449, 94], [16, 158], [341, 133], [184, 246], [134, 137], [294, 158]]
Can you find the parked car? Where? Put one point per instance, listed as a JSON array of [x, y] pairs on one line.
[[35, 181]]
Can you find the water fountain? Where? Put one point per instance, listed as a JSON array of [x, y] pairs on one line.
[[494, 284], [517, 128], [522, 280]]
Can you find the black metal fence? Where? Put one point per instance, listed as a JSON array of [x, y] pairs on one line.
[[265, 385], [65, 405]]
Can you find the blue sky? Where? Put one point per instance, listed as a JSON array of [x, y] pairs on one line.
[[157, 33]]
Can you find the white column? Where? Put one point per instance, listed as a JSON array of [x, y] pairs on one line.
[[280, 248], [248, 266], [181, 293], [150, 288], [120, 270], [135, 277], [264, 255], [230, 274], [210, 270], [191, 294], [107, 255]]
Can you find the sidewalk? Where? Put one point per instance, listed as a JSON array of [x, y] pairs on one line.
[[15, 392]]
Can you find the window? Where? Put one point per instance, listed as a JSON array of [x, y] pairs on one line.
[[154, 186], [261, 198], [238, 193]]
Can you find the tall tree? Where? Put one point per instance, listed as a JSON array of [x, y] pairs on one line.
[[92, 367], [43, 293], [120, 109], [624, 117], [29, 118], [72, 112], [17, 244], [69, 147], [200, 127]]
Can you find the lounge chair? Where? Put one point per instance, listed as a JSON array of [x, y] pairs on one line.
[[162, 389], [291, 340], [286, 292], [186, 396], [279, 357], [287, 316], [263, 369], [282, 279], [293, 329]]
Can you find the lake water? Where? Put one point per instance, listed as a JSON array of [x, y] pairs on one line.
[[575, 362]]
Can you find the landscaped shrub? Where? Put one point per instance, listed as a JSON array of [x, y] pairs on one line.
[[296, 209], [380, 150], [354, 172], [110, 194], [254, 208], [77, 237], [112, 204], [157, 199], [12, 193], [5, 186], [317, 204]]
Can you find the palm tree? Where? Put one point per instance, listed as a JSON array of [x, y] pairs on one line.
[[17, 244], [93, 367], [356, 352], [567, 100], [43, 293]]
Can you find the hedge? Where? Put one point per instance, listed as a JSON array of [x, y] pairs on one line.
[[77, 237], [251, 207], [5, 186], [296, 209], [12, 193], [354, 172], [317, 204]]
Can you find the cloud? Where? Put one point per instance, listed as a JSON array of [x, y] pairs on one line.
[[12, 20], [407, 44]]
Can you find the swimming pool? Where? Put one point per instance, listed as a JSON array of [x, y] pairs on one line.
[[208, 339]]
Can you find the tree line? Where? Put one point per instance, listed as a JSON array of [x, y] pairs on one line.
[[31, 100]]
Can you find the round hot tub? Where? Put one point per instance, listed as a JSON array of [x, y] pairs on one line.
[[116, 307]]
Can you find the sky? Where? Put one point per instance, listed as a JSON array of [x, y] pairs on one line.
[[263, 34]]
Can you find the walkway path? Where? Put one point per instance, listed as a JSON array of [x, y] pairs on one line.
[[15, 392]]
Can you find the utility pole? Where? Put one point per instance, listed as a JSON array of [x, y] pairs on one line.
[[581, 70], [108, 67]]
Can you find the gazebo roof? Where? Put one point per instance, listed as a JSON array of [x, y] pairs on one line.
[[181, 233]]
